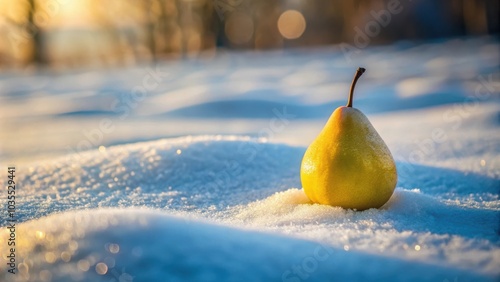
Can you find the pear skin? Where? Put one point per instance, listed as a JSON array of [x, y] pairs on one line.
[[348, 164]]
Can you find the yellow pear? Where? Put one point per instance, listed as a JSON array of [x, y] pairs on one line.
[[348, 164]]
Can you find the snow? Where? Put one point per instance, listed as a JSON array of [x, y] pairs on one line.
[[145, 245], [205, 187]]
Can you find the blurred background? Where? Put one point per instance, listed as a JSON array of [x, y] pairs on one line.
[[75, 33], [157, 69]]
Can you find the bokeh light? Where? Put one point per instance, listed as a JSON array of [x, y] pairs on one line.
[[62, 34], [83, 265], [291, 24], [114, 248], [101, 268]]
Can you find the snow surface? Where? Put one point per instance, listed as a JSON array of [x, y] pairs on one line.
[[220, 199]]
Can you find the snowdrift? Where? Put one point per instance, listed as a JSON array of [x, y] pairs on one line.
[[215, 208]]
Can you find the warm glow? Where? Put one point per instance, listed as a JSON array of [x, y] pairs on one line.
[[291, 24], [76, 13], [14, 10], [40, 234]]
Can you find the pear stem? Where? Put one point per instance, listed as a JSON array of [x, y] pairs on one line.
[[357, 75]]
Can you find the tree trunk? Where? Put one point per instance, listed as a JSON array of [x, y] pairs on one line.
[[150, 30], [36, 36]]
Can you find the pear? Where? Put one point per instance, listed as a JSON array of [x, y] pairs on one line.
[[348, 164]]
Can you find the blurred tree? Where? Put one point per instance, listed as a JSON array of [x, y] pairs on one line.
[[36, 35], [117, 32], [149, 27], [474, 16]]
